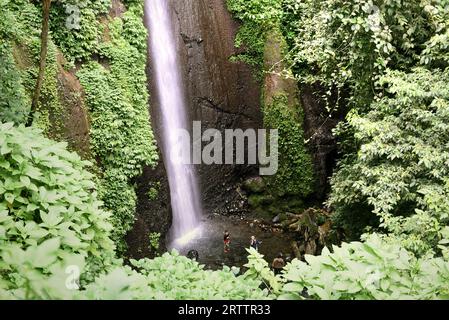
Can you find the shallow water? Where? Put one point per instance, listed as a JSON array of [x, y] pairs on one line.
[[209, 242]]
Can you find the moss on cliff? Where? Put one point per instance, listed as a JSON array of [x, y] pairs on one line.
[[14, 100], [117, 98], [295, 173], [258, 19]]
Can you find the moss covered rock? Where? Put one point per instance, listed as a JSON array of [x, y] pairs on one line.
[[254, 185], [282, 111]]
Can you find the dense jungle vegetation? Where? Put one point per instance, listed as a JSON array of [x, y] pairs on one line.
[[64, 203]]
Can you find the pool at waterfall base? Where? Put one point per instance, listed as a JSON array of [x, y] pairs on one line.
[[207, 240]]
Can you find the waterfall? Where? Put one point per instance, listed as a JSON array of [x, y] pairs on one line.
[[185, 200]]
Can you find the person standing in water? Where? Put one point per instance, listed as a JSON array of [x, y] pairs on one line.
[[278, 264], [226, 241], [254, 243]]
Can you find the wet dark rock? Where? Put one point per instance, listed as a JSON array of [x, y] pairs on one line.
[[152, 215], [219, 93], [318, 126]]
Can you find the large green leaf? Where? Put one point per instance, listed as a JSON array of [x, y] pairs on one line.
[[45, 254]]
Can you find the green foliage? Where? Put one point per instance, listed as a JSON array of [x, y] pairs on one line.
[[51, 222], [390, 66], [252, 39], [258, 17], [49, 111], [170, 277], [22, 20], [14, 103], [152, 194], [48, 210], [78, 43], [117, 99], [258, 269], [8, 20], [133, 30], [38, 271], [176, 277], [385, 60], [403, 158], [116, 91], [154, 239], [20, 58], [263, 12], [119, 197], [295, 173], [370, 270], [153, 191], [347, 45]]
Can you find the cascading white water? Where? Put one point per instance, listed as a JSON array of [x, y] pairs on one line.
[[184, 193]]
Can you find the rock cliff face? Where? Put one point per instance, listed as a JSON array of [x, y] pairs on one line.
[[219, 93], [153, 213], [290, 189], [318, 126]]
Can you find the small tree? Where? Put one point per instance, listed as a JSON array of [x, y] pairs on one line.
[[43, 58]]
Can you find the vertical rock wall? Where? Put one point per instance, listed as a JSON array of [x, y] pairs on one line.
[[219, 93]]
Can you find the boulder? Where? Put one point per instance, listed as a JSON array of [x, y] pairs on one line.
[[254, 185]]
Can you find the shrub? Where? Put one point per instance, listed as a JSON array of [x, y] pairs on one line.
[[401, 169], [48, 203], [367, 270]]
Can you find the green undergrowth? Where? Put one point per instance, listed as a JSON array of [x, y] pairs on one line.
[[47, 200], [20, 58], [78, 38], [15, 99]]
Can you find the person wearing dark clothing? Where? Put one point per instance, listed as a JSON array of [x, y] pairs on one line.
[[226, 241], [278, 264], [254, 243]]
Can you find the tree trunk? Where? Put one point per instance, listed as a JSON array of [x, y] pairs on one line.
[[43, 58]]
